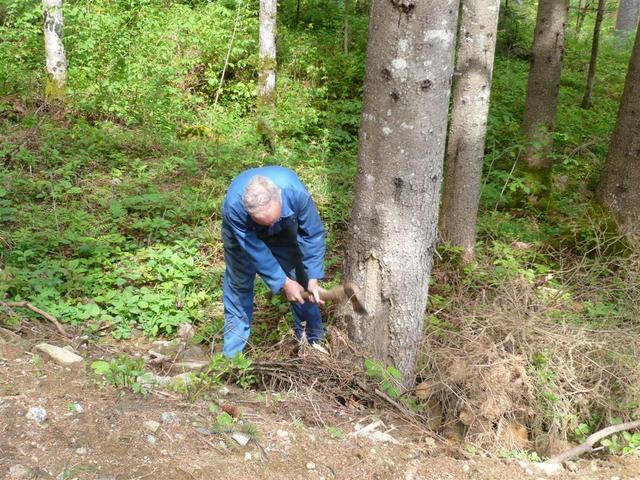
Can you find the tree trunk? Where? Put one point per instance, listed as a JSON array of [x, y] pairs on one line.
[[618, 188], [588, 93], [402, 137], [544, 82], [56, 59], [627, 18], [345, 28], [267, 73], [468, 128], [581, 14], [267, 65]]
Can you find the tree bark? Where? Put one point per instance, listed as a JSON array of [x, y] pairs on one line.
[[468, 127], [345, 28], [541, 104], [627, 18], [56, 59], [392, 232], [587, 101], [618, 188], [267, 40], [267, 73]]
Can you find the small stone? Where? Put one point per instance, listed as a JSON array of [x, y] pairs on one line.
[[151, 425], [81, 451], [571, 466], [151, 440], [60, 355], [248, 457], [224, 391], [283, 434], [19, 471], [549, 468], [37, 414], [311, 466], [164, 452], [195, 366], [241, 438], [169, 417], [466, 468], [76, 407]]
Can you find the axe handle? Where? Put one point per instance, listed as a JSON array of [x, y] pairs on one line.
[[335, 293]]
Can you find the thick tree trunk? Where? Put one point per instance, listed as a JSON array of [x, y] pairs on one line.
[[56, 58], [402, 136], [627, 18], [468, 128], [588, 93], [618, 189], [541, 104], [267, 65]]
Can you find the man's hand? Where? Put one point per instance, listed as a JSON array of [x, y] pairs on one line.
[[293, 291], [314, 289]]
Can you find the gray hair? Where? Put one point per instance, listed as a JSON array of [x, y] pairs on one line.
[[259, 193]]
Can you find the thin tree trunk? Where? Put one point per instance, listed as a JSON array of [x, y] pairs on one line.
[[627, 18], [588, 93], [297, 12], [541, 104], [468, 127], [581, 15], [267, 73], [618, 188], [267, 66], [345, 28], [56, 58], [402, 137]]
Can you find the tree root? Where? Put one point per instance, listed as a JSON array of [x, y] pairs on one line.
[[591, 440], [35, 309]]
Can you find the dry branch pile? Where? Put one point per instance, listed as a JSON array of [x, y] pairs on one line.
[[512, 372]]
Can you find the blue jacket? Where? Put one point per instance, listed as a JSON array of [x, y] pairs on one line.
[[297, 205]]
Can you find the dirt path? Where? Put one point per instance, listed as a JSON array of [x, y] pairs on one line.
[[100, 433]]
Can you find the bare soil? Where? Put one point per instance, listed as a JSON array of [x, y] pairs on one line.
[[108, 439]]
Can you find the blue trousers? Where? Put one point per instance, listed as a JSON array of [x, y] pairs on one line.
[[237, 289]]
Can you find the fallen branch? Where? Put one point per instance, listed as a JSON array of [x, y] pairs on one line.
[[35, 309], [591, 440]]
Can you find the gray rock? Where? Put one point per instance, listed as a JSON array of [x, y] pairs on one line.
[[151, 440], [81, 451], [549, 468], [195, 366], [37, 414], [152, 426], [19, 471], [169, 417], [60, 355], [311, 466], [193, 352], [241, 438], [167, 348]]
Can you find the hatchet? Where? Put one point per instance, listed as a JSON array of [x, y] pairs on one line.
[[341, 293]]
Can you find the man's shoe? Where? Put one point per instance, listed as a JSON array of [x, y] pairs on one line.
[[318, 346]]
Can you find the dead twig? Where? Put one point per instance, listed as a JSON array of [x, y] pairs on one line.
[[591, 440], [40, 312]]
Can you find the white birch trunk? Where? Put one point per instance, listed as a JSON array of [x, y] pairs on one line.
[[56, 59]]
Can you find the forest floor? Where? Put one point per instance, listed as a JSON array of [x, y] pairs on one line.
[[97, 432]]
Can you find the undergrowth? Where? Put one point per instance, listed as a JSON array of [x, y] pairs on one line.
[[109, 205]]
